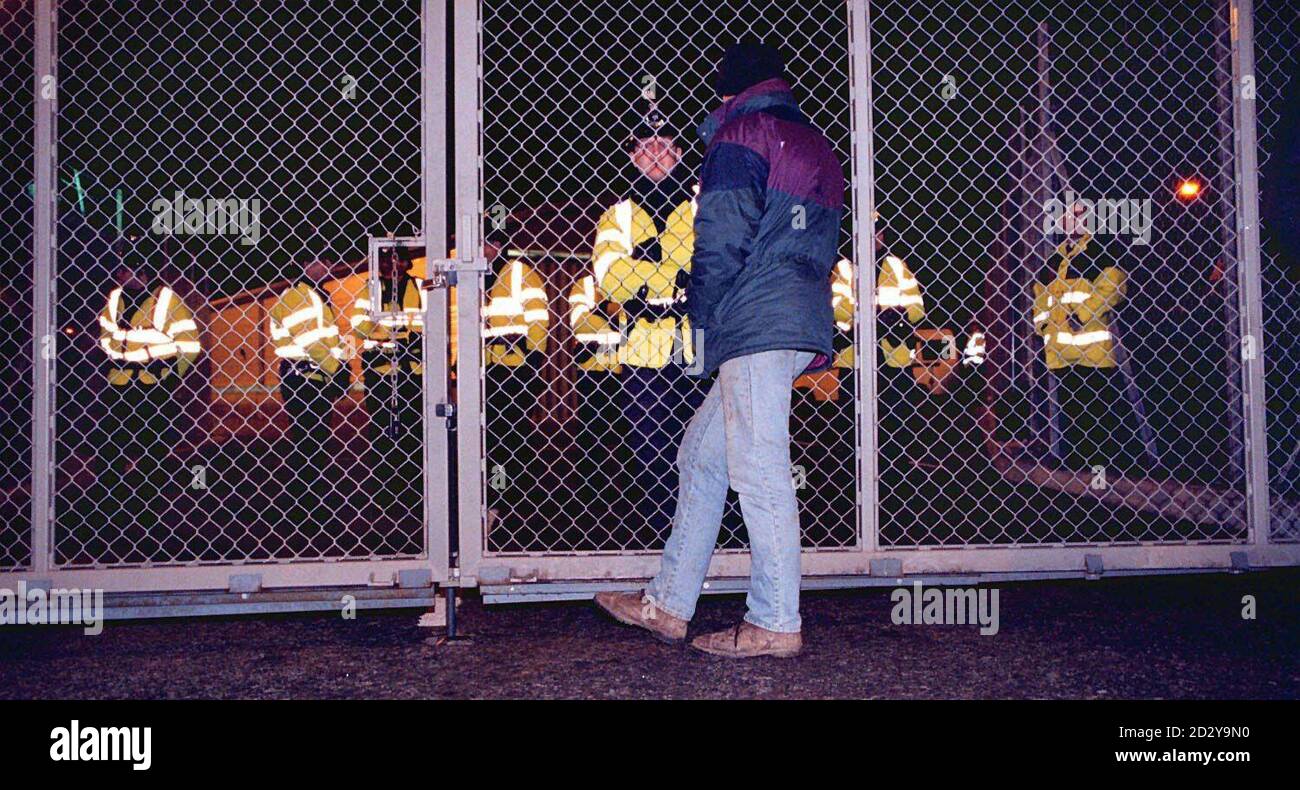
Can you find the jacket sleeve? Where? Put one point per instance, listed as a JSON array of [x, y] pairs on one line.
[[733, 191], [1041, 309], [1108, 290], [106, 328], [537, 313], [842, 298], [320, 339], [589, 323], [897, 287], [184, 333], [618, 274], [360, 320]]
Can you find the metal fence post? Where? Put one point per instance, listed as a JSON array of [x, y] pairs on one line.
[[864, 226], [469, 363], [1250, 294], [433, 127], [44, 238]]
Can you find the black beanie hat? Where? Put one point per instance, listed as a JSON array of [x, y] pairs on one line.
[[746, 64]]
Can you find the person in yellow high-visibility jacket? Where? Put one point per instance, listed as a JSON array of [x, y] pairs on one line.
[[150, 340], [1075, 299], [392, 365], [313, 375], [899, 306], [516, 322], [641, 258]]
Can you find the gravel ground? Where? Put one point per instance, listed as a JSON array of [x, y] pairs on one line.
[[1156, 637]]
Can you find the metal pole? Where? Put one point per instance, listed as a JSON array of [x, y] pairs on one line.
[[450, 592], [1250, 293], [1228, 235], [864, 253], [433, 137], [469, 359], [45, 239]]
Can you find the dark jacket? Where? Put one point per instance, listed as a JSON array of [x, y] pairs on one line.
[[767, 230]]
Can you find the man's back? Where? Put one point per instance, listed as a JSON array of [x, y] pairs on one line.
[[767, 230]]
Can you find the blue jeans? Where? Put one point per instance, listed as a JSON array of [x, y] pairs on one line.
[[740, 436]]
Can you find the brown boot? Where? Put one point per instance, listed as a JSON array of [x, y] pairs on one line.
[[634, 608], [749, 641]]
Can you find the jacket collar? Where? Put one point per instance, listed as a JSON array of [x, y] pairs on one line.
[[772, 95]]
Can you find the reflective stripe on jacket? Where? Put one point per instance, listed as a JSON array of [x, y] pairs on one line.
[[395, 327], [163, 328]]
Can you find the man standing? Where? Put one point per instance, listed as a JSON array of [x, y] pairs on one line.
[[313, 375], [150, 340], [641, 259], [1076, 297], [766, 235]]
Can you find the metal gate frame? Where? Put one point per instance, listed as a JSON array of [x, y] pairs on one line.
[[234, 586], [534, 576]]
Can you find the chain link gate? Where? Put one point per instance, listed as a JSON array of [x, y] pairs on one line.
[[223, 405], [583, 391], [18, 27], [1107, 413]]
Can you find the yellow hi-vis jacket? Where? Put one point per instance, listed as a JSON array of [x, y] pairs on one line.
[[648, 343], [597, 337], [401, 324], [1072, 314], [303, 327], [517, 315], [896, 288], [162, 328]]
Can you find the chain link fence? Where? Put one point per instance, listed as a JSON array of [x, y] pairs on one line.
[[1059, 178], [219, 398], [17, 27], [590, 160], [1050, 320]]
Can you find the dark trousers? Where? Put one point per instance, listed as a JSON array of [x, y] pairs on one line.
[[512, 445], [1096, 420], [395, 404], [309, 496], [138, 427], [898, 417], [660, 402], [600, 440], [137, 434]]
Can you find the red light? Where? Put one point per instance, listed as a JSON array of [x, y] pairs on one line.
[[1188, 189]]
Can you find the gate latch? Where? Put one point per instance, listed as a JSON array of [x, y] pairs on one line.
[[442, 271], [446, 411]]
